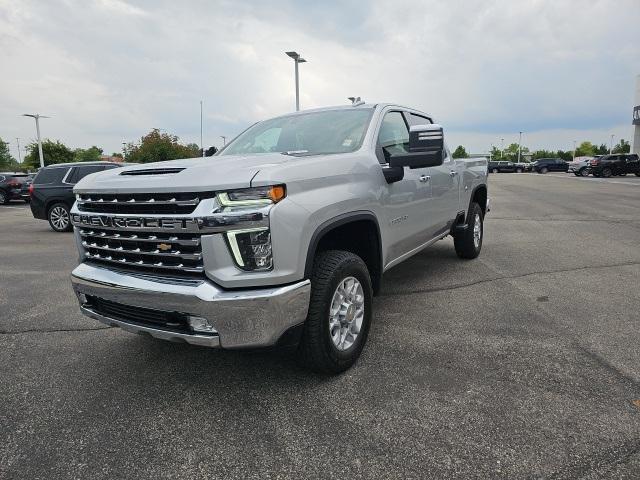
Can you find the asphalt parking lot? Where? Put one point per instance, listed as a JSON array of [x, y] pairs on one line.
[[524, 363]]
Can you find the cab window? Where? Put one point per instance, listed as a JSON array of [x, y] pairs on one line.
[[393, 137]]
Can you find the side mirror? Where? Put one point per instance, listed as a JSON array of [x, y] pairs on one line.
[[426, 145]]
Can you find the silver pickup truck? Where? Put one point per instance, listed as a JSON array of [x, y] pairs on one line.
[[282, 238]]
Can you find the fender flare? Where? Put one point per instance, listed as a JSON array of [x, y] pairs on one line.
[[336, 222]]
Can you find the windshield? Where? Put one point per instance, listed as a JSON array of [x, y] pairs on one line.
[[329, 131]]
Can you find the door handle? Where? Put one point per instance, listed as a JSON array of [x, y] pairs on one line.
[[425, 178], [453, 173]]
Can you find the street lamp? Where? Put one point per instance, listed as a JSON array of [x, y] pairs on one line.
[[611, 144], [224, 140], [19, 153], [501, 148], [37, 116], [297, 59], [574, 150], [519, 146], [201, 141]]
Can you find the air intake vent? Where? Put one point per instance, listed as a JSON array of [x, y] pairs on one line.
[[153, 171]]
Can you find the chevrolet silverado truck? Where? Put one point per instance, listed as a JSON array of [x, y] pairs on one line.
[[281, 238]]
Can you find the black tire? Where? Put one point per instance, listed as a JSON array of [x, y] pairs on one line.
[[58, 216], [543, 170], [584, 172], [606, 172], [495, 170], [519, 170], [317, 349], [4, 198], [464, 242]]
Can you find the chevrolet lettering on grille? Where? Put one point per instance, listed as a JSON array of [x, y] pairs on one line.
[[118, 222]]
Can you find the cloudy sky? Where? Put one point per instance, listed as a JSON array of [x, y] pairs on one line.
[[107, 71]]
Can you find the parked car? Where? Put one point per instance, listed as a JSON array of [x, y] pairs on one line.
[[279, 239], [544, 165], [615, 164], [502, 167], [12, 187], [51, 191], [580, 166]]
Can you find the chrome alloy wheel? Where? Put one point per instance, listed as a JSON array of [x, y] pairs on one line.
[[477, 230], [346, 313], [59, 218]]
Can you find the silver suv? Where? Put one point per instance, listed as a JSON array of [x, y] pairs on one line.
[[282, 237]]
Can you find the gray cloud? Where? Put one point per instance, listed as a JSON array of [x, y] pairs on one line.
[[109, 70]]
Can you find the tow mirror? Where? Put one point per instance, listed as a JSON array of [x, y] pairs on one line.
[[426, 144]]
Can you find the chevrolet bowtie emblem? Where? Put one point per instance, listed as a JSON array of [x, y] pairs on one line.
[[164, 247]]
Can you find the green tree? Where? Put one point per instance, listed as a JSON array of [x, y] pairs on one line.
[[91, 154], [460, 152], [511, 152], [566, 156], [53, 152], [586, 149], [7, 162], [622, 147], [158, 147], [600, 150]]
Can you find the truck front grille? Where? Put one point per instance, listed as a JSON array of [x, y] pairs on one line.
[[160, 252], [141, 203]]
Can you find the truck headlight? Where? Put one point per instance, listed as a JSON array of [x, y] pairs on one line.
[[252, 196], [251, 248]]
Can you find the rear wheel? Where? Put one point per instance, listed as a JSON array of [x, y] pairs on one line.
[[584, 172], [606, 172], [543, 170], [339, 316], [4, 198], [468, 242], [495, 170], [59, 218]]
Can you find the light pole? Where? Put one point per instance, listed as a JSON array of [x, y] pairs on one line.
[[574, 150], [611, 144], [519, 146], [501, 148], [19, 153], [297, 59], [201, 141], [37, 116], [124, 151], [224, 140]]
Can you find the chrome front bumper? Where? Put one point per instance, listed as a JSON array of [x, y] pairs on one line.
[[242, 318]]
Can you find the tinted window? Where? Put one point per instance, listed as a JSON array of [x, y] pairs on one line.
[[417, 119], [80, 172], [394, 134], [50, 175]]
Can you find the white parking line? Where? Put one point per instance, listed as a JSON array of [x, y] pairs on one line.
[[631, 181]]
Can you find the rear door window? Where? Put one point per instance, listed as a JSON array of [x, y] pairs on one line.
[[50, 175], [82, 171]]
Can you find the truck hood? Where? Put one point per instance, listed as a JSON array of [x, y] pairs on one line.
[[188, 175]]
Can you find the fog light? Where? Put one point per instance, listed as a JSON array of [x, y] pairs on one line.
[[82, 298], [251, 248], [199, 324]]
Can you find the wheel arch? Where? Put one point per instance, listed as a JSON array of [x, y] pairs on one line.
[[479, 195], [357, 232]]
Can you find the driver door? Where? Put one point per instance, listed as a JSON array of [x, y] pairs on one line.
[[406, 202]]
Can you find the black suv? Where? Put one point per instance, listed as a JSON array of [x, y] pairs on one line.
[[52, 191], [14, 186], [616, 164], [496, 167], [545, 165]]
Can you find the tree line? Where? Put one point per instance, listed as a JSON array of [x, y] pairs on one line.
[[585, 149], [155, 146]]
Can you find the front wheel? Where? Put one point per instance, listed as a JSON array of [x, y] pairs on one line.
[[339, 316], [544, 170], [59, 218], [495, 170], [606, 172], [4, 198], [584, 172], [468, 242]]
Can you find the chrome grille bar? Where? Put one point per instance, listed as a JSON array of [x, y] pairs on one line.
[[141, 263], [181, 203], [143, 237], [137, 251]]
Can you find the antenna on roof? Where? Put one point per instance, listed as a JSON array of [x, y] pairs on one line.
[[355, 101]]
